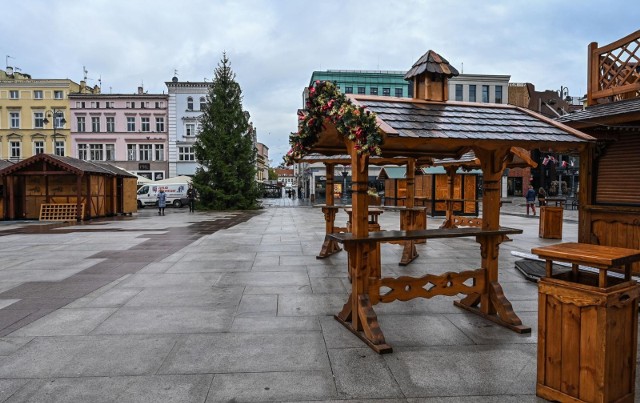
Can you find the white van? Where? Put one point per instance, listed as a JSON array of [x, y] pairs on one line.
[[176, 194]]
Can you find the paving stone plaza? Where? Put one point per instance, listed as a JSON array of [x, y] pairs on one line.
[[234, 307]]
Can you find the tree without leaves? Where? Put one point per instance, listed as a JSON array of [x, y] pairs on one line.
[[224, 148]]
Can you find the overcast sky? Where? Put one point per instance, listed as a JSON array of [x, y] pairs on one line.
[[274, 46]]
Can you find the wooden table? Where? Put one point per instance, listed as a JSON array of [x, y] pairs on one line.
[[602, 257], [329, 246], [474, 283]]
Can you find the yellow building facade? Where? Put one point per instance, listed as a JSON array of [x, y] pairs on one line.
[[34, 115]]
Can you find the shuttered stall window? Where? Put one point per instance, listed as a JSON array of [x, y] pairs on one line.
[[618, 179]]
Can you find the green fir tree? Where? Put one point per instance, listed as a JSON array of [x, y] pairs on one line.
[[224, 148]]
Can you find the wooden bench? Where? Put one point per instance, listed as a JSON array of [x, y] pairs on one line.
[[476, 284]]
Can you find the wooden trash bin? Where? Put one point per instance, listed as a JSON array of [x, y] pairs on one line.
[[550, 222], [587, 333]]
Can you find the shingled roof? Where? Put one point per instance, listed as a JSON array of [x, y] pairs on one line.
[[449, 129], [70, 164], [431, 62], [592, 115]]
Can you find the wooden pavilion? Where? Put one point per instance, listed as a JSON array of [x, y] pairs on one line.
[[609, 194], [74, 188], [427, 126]]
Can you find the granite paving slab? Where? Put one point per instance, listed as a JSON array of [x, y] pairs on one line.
[[87, 356], [165, 320], [203, 296], [507, 369], [247, 352], [152, 389], [271, 386], [66, 322], [260, 324], [362, 373]]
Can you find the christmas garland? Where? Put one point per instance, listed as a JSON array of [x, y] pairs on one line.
[[327, 102]]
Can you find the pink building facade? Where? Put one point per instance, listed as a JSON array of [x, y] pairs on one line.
[[129, 130]]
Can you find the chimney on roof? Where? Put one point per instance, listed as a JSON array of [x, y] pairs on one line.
[[430, 75], [140, 90]]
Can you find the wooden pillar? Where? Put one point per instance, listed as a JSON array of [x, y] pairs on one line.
[[23, 199], [46, 189], [12, 195], [79, 216], [88, 207], [329, 200], [114, 195], [451, 180], [329, 246], [411, 183], [592, 72], [492, 163], [585, 193]]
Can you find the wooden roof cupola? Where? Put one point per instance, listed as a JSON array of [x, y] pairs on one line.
[[429, 76]]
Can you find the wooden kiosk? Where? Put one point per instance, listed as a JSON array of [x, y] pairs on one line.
[[609, 193], [388, 126], [63, 188], [516, 158]]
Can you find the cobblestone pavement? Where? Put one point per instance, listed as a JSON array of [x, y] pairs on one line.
[[234, 306]]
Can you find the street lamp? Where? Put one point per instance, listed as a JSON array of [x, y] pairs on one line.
[[58, 121]]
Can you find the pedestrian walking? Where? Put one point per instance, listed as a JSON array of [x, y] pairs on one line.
[[191, 195], [531, 200], [162, 201]]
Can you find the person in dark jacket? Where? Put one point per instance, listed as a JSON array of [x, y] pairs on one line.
[[542, 197], [531, 200], [191, 195]]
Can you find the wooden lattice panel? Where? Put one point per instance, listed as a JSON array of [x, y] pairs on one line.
[[60, 211], [614, 70]]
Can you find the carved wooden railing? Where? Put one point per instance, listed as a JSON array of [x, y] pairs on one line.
[[614, 70]]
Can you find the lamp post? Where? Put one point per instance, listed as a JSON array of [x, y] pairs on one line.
[[58, 121]]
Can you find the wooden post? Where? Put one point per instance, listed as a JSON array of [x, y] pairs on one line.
[[493, 303], [411, 183], [23, 199], [585, 193], [329, 201], [79, 197], [451, 180], [12, 194], [592, 72], [358, 315], [329, 246]]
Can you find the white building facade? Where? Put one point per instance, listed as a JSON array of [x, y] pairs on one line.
[[484, 88], [187, 100]]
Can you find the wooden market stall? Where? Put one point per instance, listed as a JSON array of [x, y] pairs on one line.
[[52, 187], [431, 189], [3, 164], [455, 199], [426, 126], [609, 193]]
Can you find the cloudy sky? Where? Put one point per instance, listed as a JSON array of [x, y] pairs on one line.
[[275, 45]]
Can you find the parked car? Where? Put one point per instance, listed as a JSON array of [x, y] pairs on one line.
[[176, 194]]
